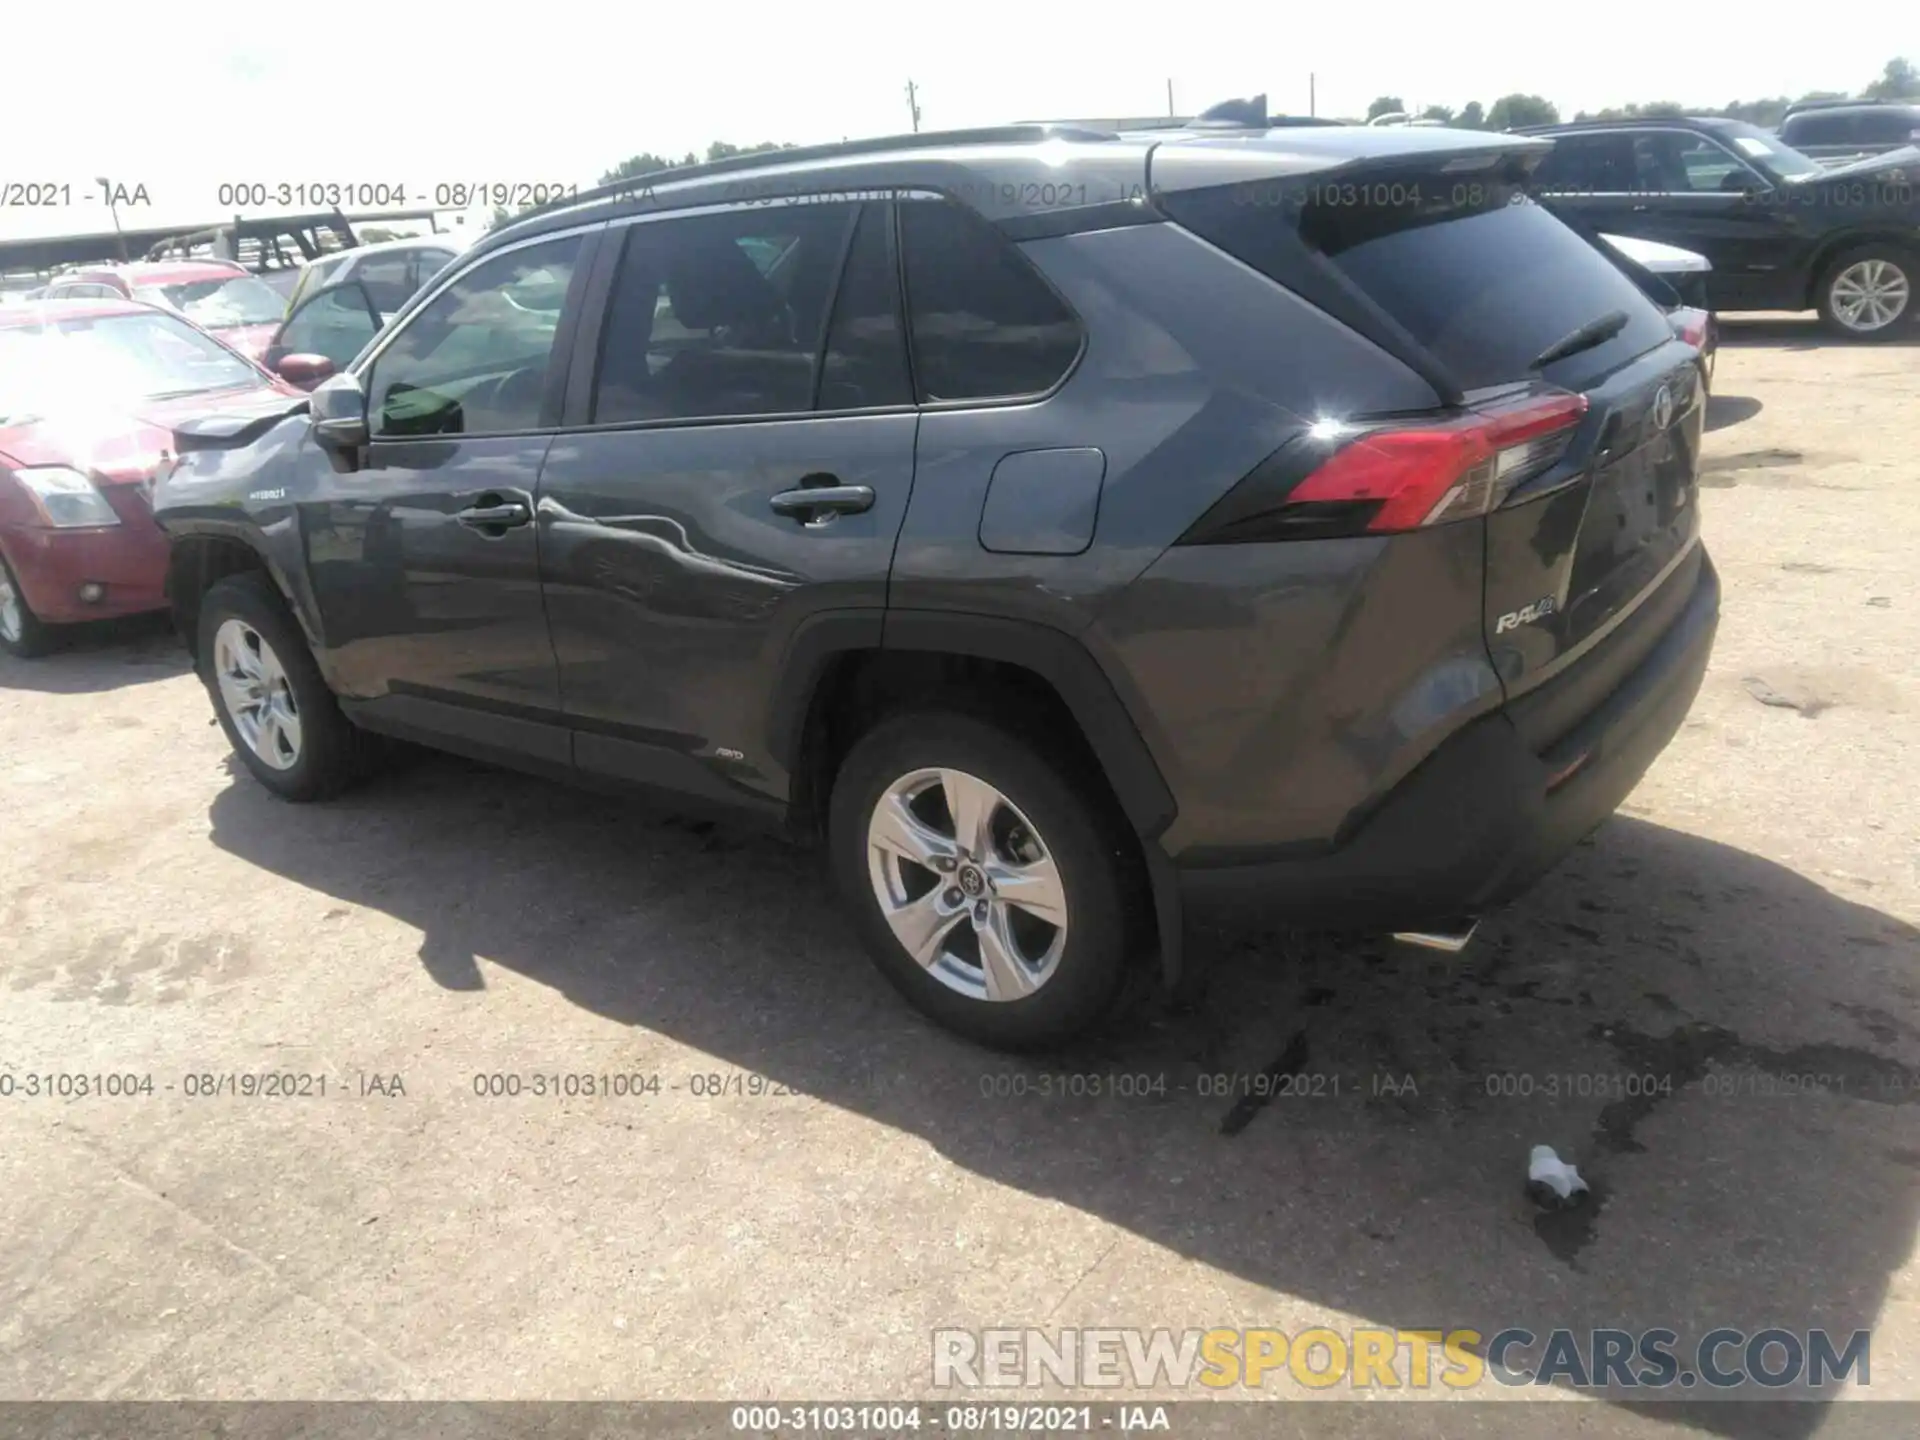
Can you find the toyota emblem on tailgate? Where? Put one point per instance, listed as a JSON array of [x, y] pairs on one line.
[[1663, 408]]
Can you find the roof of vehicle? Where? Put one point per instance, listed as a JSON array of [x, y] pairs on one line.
[[1804, 106], [162, 272], [39, 312], [1014, 172], [405, 242], [1700, 122]]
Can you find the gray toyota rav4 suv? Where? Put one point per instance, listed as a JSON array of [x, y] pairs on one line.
[[1069, 529]]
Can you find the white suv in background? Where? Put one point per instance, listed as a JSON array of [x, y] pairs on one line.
[[392, 269]]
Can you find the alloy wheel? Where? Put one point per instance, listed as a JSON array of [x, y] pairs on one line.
[[967, 884], [258, 696], [13, 617], [1870, 295]]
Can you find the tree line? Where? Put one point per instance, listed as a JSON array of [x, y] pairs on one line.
[[1898, 81]]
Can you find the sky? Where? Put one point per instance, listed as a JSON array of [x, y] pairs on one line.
[[355, 92]]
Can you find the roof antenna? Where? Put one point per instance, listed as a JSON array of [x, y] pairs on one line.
[[1233, 115]]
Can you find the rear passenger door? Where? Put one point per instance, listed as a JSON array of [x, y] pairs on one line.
[[735, 469]]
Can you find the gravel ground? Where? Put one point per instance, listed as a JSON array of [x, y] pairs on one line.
[[862, 1179]]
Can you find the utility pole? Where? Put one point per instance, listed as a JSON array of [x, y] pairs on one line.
[[1171, 112], [119, 235], [913, 104], [1311, 112]]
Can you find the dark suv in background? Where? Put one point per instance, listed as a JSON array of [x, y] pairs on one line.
[[1781, 231], [1832, 131], [1066, 527]]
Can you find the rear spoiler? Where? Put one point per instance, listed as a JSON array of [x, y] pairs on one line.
[[232, 431]]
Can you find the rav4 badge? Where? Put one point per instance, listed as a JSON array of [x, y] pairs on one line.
[[1525, 615]]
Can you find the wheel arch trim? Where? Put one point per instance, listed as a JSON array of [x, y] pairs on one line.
[[1057, 658], [183, 535]]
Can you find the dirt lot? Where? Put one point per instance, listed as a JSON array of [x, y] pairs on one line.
[[1750, 916]]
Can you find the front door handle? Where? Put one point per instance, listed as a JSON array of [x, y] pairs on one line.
[[811, 504], [502, 515]]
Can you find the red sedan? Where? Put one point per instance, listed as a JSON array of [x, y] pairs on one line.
[[217, 295], [89, 393]]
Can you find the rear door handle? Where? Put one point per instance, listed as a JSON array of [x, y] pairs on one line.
[[811, 503], [502, 516]]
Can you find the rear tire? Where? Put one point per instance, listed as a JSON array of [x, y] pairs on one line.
[[278, 714], [1867, 292], [23, 635], [1009, 974]]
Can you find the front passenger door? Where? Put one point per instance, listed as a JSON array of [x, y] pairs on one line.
[[425, 561]]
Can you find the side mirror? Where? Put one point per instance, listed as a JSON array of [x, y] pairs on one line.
[[303, 370], [339, 411]]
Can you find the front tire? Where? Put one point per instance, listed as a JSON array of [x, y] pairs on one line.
[[23, 635], [278, 714], [1866, 293], [1002, 902]]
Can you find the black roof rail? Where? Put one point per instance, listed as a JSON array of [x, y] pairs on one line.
[[1803, 105], [1029, 134]]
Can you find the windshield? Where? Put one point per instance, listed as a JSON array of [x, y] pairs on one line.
[[1778, 156], [85, 362], [222, 302]]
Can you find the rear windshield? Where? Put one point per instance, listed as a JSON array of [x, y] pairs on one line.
[[1479, 275]]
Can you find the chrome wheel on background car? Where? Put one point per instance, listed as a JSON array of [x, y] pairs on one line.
[[13, 619], [257, 694], [967, 885], [1869, 295], [21, 632]]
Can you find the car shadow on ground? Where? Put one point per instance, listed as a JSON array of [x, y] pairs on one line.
[[1726, 411], [1379, 1170], [1800, 332], [103, 655]]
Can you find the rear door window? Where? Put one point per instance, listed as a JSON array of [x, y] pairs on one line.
[[984, 325], [866, 357], [1889, 127], [720, 315], [1587, 165], [1820, 130], [1473, 270]]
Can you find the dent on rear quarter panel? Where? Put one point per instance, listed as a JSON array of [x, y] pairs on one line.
[[1196, 369], [1287, 685]]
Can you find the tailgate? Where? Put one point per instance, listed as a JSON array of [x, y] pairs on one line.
[[1571, 556], [1445, 261]]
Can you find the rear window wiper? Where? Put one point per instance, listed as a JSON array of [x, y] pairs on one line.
[[1594, 332]]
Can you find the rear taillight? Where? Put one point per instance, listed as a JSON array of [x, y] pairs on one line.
[[1691, 326], [1409, 477]]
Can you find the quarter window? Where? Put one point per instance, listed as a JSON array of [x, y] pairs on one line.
[[476, 358], [983, 324]]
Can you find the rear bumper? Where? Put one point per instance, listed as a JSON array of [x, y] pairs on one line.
[[1484, 816], [127, 561]]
